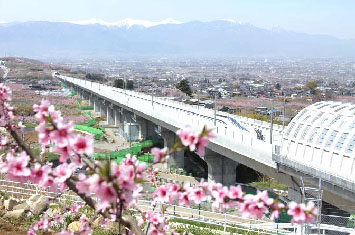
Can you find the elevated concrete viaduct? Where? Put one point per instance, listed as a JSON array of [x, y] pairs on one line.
[[236, 142]]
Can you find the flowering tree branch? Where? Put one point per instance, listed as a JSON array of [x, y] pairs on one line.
[[117, 187]]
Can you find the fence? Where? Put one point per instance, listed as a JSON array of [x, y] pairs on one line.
[[200, 213]]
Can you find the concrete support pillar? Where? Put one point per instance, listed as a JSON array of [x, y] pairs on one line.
[[294, 191], [220, 168], [116, 114], [91, 101], [103, 109], [127, 116], [177, 159], [146, 127], [110, 115], [96, 104]]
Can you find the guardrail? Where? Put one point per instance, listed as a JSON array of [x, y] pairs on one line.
[[25, 190], [227, 220]]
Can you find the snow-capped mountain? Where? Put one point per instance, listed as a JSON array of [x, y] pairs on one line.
[[132, 38]]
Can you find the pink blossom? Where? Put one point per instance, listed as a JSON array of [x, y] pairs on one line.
[[56, 117], [39, 173], [302, 213], [5, 93], [253, 207], [64, 152], [88, 185], [298, 212], [159, 154], [161, 194], [17, 166], [43, 135], [219, 195], [43, 110], [235, 192], [203, 140], [197, 195], [83, 145], [125, 173], [184, 199], [264, 197], [40, 225], [62, 135], [188, 137], [76, 207], [158, 223], [62, 172], [49, 182], [202, 143], [140, 171], [58, 219], [311, 212], [106, 193], [276, 210]]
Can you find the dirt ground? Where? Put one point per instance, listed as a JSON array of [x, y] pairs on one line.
[[8, 228]]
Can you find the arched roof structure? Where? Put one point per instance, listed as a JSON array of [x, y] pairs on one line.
[[322, 136]]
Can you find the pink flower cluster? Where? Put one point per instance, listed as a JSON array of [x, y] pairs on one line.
[[52, 131], [117, 186], [6, 114], [158, 223], [47, 222], [302, 213], [16, 166], [222, 197], [124, 176], [160, 155], [66, 143], [188, 138], [194, 140], [5, 93]]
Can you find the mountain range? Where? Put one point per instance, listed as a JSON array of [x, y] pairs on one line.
[[136, 38]]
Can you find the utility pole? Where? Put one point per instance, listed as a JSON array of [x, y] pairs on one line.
[[23, 132], [271, 120], [198, 99], [284, 111], [215, 109]]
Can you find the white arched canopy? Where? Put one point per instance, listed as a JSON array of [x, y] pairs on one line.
[[322, 136]]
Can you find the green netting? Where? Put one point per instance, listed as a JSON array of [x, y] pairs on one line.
[[88, 114], [148, 158], [91, 123], [83, 107], [134, 150], [119, 159], [86, 108], [147, 143], [98, 133]]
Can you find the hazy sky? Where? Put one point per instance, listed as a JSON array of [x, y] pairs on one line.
[[332, 17]]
